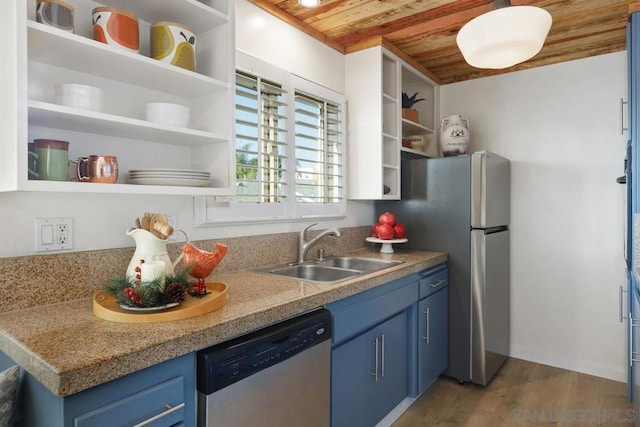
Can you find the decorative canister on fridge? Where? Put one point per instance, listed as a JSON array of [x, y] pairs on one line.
[[55, 13], [454, 138], [174, 43], [116, 27]]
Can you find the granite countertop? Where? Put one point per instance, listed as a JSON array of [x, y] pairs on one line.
[[68, 349]]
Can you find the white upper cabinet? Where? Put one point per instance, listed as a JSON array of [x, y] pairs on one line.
[[37, 57], [375, 82]]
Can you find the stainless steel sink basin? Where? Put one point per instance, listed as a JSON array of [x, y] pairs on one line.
[[316, 273], [357, 263], [330, 270]]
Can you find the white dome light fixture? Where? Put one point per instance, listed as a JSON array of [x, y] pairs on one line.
[[506, 36], [309, 3]]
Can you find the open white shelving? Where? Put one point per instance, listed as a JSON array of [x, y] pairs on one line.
[[375, 80], [42, 56]]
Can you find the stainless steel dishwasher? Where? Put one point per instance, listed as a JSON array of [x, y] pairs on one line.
[[276, 376]]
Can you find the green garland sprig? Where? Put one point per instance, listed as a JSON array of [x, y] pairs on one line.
[[150, 294]]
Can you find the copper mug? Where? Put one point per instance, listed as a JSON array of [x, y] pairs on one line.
[[100, 169]]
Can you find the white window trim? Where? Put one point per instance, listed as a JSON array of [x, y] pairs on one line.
[[210, 212]]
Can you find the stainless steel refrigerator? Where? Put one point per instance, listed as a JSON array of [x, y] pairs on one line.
[[460, 205]]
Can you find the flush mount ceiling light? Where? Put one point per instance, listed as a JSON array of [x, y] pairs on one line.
[[506, 36], [309, 3]]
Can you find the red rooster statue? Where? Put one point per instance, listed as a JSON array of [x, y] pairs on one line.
[[202, 263]]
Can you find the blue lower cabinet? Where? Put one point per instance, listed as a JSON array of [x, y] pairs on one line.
[[433, 338], [379, 356], [369, 374], [160, 396]]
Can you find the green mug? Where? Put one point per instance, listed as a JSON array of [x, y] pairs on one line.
[[32, 162], [53, 159]]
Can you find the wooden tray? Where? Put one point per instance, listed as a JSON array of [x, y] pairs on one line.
[[106, 307]]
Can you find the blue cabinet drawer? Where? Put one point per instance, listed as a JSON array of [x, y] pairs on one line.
[[159, 406], [158, 396], [361, 312], [433, 280]]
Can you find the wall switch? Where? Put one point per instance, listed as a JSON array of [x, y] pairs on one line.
[[53, 234]]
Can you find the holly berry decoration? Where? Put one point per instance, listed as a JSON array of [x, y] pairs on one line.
[[133, 295], [132, 292]]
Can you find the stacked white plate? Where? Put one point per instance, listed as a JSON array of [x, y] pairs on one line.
[[178, 177]]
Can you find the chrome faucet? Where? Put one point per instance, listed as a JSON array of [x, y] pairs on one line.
[[303, 245]]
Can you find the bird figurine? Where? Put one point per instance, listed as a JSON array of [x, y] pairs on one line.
[[201, 263]]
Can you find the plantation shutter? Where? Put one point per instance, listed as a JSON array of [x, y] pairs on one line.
[[260, 140], [318, 150]]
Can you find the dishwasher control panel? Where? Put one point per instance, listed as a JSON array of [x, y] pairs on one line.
[[226, 363]]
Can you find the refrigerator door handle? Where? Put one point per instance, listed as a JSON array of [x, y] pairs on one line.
[[478, 194]]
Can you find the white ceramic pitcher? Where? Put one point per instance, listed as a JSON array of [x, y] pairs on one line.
[[454, 135], [149, 248]]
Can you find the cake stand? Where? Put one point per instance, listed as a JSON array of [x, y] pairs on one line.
[[386, 244]]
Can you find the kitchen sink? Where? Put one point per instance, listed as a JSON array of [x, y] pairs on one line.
[[329, 270], [316, 273], [356, 263]]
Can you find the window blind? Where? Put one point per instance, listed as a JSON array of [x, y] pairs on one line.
[[260, 140], [318, 150]]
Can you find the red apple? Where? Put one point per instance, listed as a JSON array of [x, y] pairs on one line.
[[399, 231], [387, 218], [374, 230], [385, 232]]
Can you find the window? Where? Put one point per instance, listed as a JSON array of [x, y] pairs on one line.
[[289, 145], [260, 140], [318, 151]]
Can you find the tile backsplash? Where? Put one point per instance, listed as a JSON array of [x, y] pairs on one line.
[[48, 279]]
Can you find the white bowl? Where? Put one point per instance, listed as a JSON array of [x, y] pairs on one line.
[[78, 96], [167, 114]]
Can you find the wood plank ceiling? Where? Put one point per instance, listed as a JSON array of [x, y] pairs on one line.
[[423, 32]]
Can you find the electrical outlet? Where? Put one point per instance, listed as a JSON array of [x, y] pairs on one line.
[[62, 236], [53, 234]]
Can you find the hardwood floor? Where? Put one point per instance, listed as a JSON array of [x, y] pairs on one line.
[[523, 394]]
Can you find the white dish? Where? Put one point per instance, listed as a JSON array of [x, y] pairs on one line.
[[169, 170], [168, 114], [149, 309], [82, 97], [181, 182], [162, 174], [386, 244]]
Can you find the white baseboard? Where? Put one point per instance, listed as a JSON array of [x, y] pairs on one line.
[[396, 412], [615, 373]]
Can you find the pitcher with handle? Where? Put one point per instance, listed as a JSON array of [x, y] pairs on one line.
[[149, 248]]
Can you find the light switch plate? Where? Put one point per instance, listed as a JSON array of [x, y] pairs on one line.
[[53, 234]]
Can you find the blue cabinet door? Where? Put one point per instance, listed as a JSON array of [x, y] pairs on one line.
[[369, 374], [433, 340]]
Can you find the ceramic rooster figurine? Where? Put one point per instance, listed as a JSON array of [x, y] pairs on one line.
[[202, 263]]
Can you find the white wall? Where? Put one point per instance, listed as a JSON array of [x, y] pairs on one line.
[[560, 126], [100, 221], [265, 36]]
